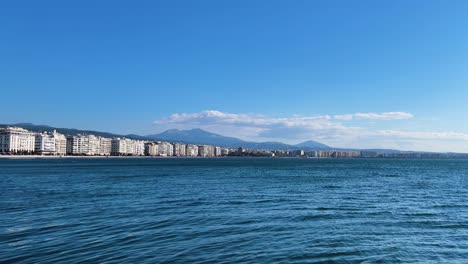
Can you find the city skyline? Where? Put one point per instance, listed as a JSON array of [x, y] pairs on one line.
[[348, 74]]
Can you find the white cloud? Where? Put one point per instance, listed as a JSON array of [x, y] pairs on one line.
[[344, 117], [214, 116], [323, 128], [376, 116], [424, 135]]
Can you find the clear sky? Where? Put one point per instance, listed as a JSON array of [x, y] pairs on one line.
[[390, 73]]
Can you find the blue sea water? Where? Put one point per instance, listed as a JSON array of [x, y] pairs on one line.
[[233, 210]]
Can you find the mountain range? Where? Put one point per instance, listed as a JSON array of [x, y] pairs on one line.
[[192, 136], [200, 136]]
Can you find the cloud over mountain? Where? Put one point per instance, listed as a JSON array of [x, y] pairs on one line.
[[325, 128], [254, 125]]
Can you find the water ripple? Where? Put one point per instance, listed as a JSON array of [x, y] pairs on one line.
[[233, 211]]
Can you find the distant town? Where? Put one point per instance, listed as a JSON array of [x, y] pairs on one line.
[[20, 141]]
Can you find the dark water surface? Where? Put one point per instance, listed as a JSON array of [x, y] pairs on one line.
[[233, 211]]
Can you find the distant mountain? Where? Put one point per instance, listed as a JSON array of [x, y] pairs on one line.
[[312, 145], [200, 136], [197, 136], [269, 145]]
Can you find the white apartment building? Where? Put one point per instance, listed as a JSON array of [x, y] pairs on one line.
[[205, 151], [16, 140], [179, 149], [191, 150], [138, 147], [44, 144], [119, 147], [127, 147], [217, 151], [60, 143], [151, 149], [83, 145], [165, 149], [224, 151], [105, 146]]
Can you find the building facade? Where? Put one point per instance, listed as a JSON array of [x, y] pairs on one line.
[[217, 151], [178, 149], [224, 152], [83, 145], [138, 147], [151, 149], [105, 146], [60, 143], [15, 140], [191, 150], [44, 144], [165, 149], [205, 151], [119, 147], [127, 147]]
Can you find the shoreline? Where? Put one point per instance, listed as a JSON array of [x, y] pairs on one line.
[[93, 157]]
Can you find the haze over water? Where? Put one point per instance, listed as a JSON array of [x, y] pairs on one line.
[[233, 210]]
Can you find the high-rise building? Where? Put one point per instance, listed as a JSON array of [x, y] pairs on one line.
[[44, 144], [165, 149], [178, 149], [16, 140], [127, 147], [60, 143], [83, 145], [205, 151], [119, 147], [138, 147], [151, 149], [224, 151], [191, 150], [105, 146], [217, 151]]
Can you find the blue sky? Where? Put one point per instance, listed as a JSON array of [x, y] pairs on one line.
[[346, 73]]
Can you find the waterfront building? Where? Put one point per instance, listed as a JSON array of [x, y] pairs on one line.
[[151, 149], [334, 154], [105, 146], [130, 148], [205, 151], [224, 152], [178, 149], [121, 147], [217, 151], [285, 153], [322, 154], [83, 145], [297, 153], [60, 143], [16, 140], [94, 144], [369, 154], [50, 143], [165, 149], [211, 151], [191, 150], [138, 147], [44, 144], [127, 147], [118, 147]]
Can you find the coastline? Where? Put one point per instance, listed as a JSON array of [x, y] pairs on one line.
[[92, 157]]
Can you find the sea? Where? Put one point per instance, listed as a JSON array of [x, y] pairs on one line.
[[233, 210]]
